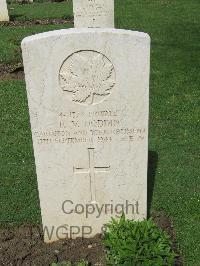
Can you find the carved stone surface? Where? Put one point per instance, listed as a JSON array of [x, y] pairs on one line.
[[3, 11], [88, 76], [88, 102], [93, 13]]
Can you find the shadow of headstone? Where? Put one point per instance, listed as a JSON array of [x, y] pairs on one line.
[[14, 17], [152, 166]]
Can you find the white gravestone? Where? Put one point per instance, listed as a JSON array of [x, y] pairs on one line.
[[3, 11], [88, 96], [93, 13]]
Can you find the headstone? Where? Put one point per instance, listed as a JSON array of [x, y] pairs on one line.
[[3, 11], [93, 13], [25, 1], [88, 96]]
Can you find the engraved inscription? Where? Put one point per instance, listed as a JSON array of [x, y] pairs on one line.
[[103, 126], [87, 76], [91, 171], [93, 9]]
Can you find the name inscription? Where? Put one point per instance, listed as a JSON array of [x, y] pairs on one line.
[[89, 127]]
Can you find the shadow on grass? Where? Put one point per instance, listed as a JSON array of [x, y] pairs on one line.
[[14, 17], [68, 17], [152, 166]]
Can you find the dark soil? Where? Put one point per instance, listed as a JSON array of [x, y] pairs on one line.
[[25, 246], [55, 21], [164, 223], [8, 72]]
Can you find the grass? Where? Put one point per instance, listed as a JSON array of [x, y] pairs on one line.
[[11, 37], [40, 10], [18, 188], [174, 114]]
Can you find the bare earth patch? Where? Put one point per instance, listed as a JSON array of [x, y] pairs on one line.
[[8, 72], [48, 21], [163, 222], [24, 246]]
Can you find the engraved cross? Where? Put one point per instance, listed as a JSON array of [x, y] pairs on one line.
[[91, 171]]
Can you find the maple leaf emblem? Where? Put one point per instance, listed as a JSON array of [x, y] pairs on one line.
[[88, 76]]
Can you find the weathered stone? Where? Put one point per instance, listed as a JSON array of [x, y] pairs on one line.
[[93, 13], [3, 11], [88, 101]]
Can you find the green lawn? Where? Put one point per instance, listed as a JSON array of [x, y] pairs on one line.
[[10, 51], [174, 113], [18, 187], [41, 10]]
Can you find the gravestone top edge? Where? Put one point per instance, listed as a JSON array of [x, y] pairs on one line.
[[55, 33]]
